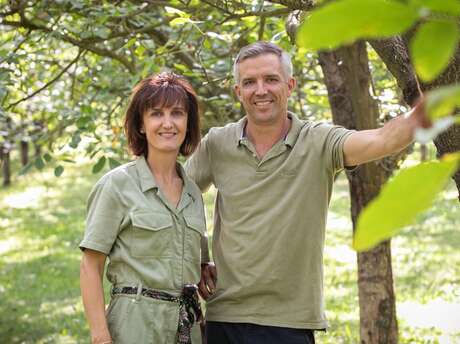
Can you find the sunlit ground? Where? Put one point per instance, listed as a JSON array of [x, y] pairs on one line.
[[41, 224]]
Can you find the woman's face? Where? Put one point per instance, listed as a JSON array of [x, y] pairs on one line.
[[165, 128]]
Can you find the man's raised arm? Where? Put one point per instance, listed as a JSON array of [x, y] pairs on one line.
[[368, 145]]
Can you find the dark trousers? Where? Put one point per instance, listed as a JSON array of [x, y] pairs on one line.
[[242, 333]]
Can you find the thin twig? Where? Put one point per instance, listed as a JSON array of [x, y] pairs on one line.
[[80, 52]]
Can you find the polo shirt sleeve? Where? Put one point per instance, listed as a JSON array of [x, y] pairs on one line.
[[104, 217], [334, 146], [198, 166]]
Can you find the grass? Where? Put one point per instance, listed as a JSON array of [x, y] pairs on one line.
[[42, 222]]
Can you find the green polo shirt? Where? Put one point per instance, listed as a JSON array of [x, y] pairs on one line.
[[269, 221], [149, 243]]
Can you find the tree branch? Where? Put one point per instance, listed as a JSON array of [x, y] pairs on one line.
[[85, 45], [80, 52], [304, 5], [394, 54]]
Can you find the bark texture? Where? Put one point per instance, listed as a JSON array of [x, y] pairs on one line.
[[24, 152], [347, 78], [6, 166]]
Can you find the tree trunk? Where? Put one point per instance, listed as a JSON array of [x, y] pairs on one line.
[[38, 149], [448, 142], [24, 152], [6, 168], [347, 78], [423, 153], [394, 54]]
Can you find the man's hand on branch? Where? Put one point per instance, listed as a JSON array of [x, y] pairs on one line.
[[207, 285]]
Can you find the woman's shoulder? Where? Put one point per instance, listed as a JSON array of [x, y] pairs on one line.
[[117, 175]]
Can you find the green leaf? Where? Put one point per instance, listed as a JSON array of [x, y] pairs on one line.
[[342, 22], [58, 171], [99, 165], [182, 68], [75, 140], [401, 199], [140, 50], [39, 163], [179, 21], [25, 169], [83, 121], [172, 10], [102, 32], [47, 157], [130, 43], [447, 6], [433, 47], [443, 101], [113, 163]]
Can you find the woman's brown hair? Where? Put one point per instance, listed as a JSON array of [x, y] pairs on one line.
[[162, 90]]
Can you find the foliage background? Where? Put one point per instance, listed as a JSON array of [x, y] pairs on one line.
[[66, 70]]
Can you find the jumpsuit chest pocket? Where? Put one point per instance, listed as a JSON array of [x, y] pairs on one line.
[[152, 233], [196, 229]]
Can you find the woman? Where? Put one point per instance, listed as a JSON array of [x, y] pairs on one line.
[[148, 218]]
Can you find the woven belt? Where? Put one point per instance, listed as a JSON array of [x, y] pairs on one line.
[[189, 306]]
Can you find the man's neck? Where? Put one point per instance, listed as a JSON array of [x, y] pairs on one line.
[[264, 137]]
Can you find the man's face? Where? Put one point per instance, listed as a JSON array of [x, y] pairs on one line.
[[263, 89]]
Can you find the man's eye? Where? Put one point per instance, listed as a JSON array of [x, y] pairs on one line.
[[247, 82], [272, 80]]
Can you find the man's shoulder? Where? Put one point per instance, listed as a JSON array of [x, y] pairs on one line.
[[319, 127], [317, 134], [229, 133]]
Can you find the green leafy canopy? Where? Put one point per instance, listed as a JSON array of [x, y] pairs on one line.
[[345, 21]]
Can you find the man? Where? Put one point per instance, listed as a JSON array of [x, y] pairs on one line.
[[274, 176]]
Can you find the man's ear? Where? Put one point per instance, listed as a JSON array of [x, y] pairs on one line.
[[291, 85], [237, 90]]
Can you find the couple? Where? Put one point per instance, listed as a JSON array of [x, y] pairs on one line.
[[273, 173]]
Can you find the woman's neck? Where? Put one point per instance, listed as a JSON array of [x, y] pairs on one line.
[[163, 166]]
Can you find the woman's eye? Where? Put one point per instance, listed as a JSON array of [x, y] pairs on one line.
[[155, 113]]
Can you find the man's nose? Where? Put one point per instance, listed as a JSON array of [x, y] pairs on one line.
[[261, 89]]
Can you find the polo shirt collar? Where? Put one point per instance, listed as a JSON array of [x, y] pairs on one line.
[[147, 180], [289, 140], [241, 130], [294, 131]]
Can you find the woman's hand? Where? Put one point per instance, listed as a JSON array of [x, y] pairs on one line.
[[102, 338]]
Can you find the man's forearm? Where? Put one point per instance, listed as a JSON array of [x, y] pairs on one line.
[[398, 133], [368, 145]]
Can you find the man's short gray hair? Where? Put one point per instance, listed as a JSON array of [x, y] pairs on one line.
[[262, 48]]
